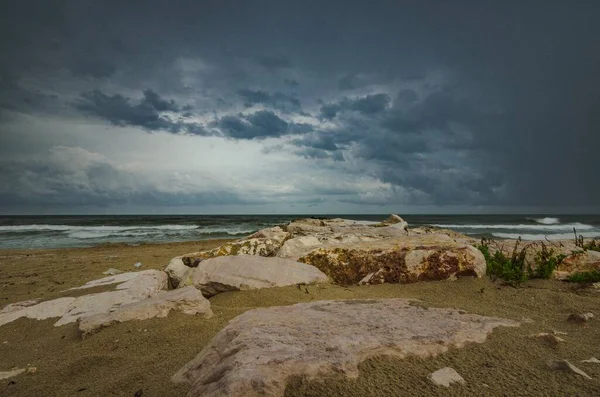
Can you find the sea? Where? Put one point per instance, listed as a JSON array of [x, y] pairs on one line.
[[35, 232]]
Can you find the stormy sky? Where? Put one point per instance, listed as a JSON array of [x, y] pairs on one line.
[[299, 107]]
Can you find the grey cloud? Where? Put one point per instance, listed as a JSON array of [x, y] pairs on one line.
[[119, 110], [488, 94], [277, 100], [258, 125], [368, 105], [291, 82], [72, 176], [274, 62]]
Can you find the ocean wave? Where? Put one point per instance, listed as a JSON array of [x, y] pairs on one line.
[[554, 236], [562, 227], [29, 228], [545, 221]]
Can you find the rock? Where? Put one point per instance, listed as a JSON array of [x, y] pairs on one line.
[[564, 365], [187, 300], [11, 373], [297, 247], [137, 265], [229, 273], [112, 271], [580, 318], [19, 305], [552, 339], [133, 287], [123, 279], [445, 377], [396, 221], [256, 353], [581, 262], [41, 311], [178, 270], [389, 265], [592, 360]]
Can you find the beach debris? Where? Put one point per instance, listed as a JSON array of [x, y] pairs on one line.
[[593, 360], [555, 332], [112, 271], [31, 370], [445, 377], [11, 373], [239, 361], [580, 318], [137, 265], [187, 300], [564, 365], [552, 339]]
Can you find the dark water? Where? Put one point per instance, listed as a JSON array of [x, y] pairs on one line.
[[82, 231]]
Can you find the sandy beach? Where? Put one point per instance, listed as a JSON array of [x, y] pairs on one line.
[[143, 355]]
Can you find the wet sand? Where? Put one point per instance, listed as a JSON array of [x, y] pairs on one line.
[[127, 357]]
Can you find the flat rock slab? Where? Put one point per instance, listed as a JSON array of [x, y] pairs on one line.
[[187, 300], [256, 353], [243, 272], [133, 287]]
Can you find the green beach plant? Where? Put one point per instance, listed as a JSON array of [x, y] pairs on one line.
[[514, 269], [585, 277]]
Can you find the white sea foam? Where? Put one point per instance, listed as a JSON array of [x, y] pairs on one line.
[[30, 228], [554, 236], [561, 227], [546, 221]]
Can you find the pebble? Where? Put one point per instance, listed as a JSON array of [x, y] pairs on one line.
[[580, 318], [564, 365], [445, 377]]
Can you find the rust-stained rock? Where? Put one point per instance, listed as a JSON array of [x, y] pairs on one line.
[[583, 261], [258, 351], [351, 266]]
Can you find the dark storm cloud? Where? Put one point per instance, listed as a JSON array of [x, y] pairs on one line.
[[274, 62], [496, 102], [277, 100], [367, 105], [72, 176], [258, 125], [118, 110]]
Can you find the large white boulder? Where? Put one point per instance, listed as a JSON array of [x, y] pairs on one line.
[[132, 287], [242, 272], [258, 351], [187, 300]]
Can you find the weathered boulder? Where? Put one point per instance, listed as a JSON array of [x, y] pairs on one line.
[[265, 242], [230, 273], [445, 377], [297, 247], [41, 311], [187, 300], [583, 261], [133, 287], [19, 305], [404, 265], [178, 270], [396, 222], [257, 352]]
